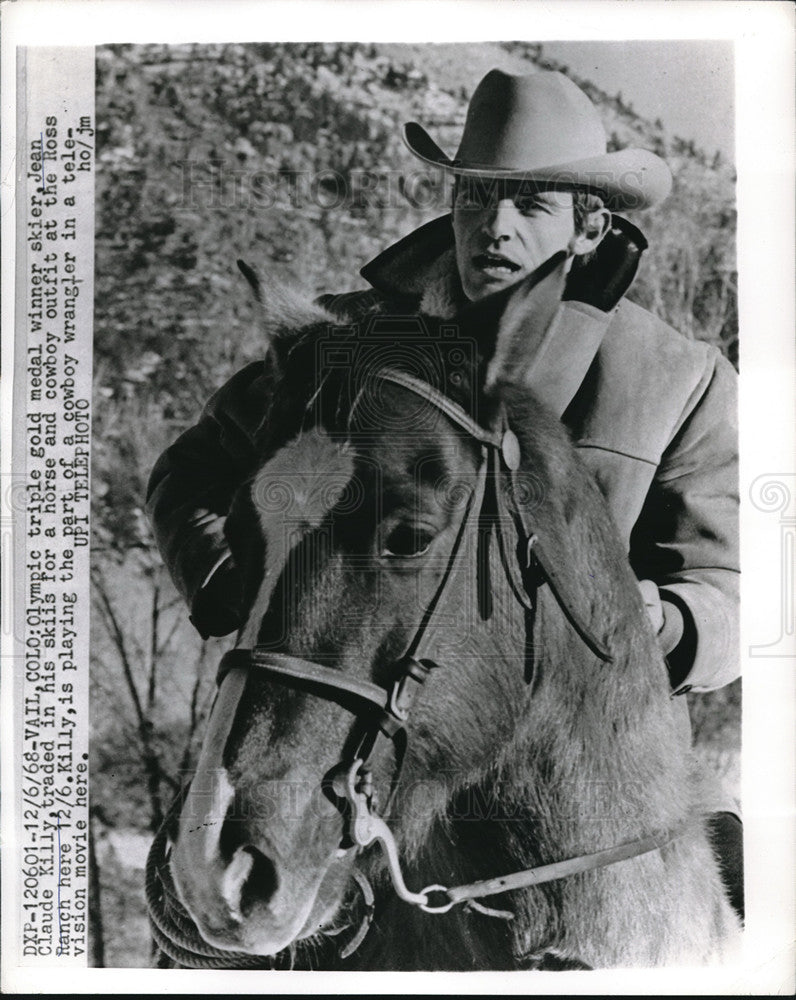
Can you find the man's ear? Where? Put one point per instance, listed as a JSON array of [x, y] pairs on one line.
[[602, 278], [595, 226]]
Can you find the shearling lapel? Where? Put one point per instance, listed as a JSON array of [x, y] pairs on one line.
[[406, 267], [555, 370]]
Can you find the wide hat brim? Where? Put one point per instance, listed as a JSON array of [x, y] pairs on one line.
[[626, 179]]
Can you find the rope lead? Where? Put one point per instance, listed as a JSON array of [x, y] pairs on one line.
[[177, 936]]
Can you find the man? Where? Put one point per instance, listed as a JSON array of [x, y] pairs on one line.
[[652, 413]]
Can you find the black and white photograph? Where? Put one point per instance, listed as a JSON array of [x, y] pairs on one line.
[[390, 520]]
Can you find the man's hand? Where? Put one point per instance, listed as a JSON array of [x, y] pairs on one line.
[[669, 624], [652, 602]]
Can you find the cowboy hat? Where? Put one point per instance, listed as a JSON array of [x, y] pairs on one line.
[[542, 127]]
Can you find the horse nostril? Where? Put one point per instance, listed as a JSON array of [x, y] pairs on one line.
[[250, 877], [233, 835], [261, 882]]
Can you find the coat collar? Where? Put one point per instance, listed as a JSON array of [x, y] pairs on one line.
[[562, 340], [422, 266]]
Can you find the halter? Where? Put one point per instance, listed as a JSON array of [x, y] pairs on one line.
[[387, 710]]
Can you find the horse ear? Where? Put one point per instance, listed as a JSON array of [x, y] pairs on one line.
[[267, 328], [285, 311], [510, 324], [251, 276]]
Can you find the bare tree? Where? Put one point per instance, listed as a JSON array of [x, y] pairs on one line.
[[142, 709]]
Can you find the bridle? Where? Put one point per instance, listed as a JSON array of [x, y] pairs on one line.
[[385, 710]]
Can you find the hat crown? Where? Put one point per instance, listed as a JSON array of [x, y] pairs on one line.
[[542, 127], [529, 121]]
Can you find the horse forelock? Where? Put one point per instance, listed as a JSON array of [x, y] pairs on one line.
[[327, 364]]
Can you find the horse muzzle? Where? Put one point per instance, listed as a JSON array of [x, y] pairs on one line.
[[244, 893], [255, 868]]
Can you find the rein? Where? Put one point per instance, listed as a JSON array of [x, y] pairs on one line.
[[387, 710]]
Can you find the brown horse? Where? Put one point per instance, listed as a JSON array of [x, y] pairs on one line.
[[385, 543]]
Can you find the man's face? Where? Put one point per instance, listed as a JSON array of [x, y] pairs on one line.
[[505, 229]]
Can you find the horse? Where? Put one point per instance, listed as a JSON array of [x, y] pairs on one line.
[[445, 738]]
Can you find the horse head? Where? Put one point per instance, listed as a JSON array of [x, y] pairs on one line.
[[444, 645]]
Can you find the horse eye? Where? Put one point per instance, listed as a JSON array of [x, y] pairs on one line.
[[407, 541]]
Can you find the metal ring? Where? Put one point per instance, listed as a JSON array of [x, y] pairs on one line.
[[427, 908]]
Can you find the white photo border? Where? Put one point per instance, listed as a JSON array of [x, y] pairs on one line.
[[763, 35]]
